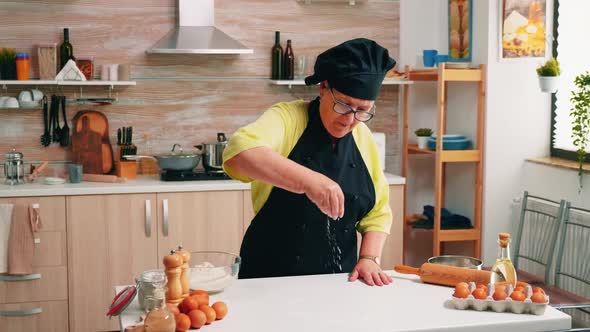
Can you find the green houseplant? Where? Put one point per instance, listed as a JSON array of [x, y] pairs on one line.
[[549, 75], [8, 64], [423, 134], [580, 115]]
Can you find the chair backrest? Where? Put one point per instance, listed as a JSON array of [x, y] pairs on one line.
[[572, 270], [540, 219]]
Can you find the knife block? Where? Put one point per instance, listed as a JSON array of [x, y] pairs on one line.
[[126, 169]]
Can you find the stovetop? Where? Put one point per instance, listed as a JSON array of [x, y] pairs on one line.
[[193, 175]]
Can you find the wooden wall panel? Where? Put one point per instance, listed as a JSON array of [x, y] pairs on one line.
[[188, 98]]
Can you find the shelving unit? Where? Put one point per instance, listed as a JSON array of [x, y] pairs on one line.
[[442, 76], [70, 83], [387, 81]]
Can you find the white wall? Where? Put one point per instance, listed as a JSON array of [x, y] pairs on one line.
[[517, 122]]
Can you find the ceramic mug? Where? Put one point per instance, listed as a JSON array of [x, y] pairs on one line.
[[429, 57]]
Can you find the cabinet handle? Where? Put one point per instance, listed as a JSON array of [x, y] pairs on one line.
[[26, 312], [25, 277], [148, 218], [166, 222]]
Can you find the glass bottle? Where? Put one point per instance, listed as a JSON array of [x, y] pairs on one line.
[[289, 62], [277, 58], [151, 292], [66, 50], [160, 320], [503, 272]]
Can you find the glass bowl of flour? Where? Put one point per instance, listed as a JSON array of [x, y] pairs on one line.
[[213, 271]]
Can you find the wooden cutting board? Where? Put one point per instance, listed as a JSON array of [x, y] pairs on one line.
[[90, 142]]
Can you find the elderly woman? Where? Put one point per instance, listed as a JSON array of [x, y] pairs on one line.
[[316, 176]]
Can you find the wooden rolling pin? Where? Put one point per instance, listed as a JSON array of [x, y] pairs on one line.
[[445, 275]]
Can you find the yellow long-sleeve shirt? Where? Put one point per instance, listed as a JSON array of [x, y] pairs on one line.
[[279, 128]]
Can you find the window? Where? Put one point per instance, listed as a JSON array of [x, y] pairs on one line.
[[572, 49]]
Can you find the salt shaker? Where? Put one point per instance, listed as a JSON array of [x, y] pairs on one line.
[[173, 263], [186, 256]]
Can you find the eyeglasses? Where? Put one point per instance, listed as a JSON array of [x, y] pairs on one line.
[[343, 108]]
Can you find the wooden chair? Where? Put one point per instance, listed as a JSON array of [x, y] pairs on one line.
[[572, 270], [534, 245]]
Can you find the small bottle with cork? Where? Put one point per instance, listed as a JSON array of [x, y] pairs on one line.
[[503, 271]]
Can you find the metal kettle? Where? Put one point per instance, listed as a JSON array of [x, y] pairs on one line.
[[14, 168]]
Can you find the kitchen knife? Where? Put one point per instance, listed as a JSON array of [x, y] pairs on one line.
[[119, 136], [130, 135]]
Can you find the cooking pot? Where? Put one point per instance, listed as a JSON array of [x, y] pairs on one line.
[[213, 153], [175, 161], [458, 261]]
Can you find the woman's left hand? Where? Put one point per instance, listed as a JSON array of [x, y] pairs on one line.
[[370, 272]]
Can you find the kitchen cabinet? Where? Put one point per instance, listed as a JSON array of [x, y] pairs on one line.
[[393, 248], [111, 240], [44, 293], [211, 220], [50, 316]]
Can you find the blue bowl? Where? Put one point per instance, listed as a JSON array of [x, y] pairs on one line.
[[451, 142]]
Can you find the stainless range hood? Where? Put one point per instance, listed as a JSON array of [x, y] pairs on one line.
[[197, 34]]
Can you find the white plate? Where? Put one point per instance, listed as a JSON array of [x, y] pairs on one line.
[[52, 180]]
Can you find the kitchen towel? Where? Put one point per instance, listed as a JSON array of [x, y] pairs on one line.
[[5, 222], [21, 244]]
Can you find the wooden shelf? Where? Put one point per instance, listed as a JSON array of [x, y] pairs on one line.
[[449, 156], [387, 81], [449, 235], [75, 83], [450, 75]]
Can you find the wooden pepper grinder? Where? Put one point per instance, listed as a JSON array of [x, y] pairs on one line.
[[186, 256], [173, 262]]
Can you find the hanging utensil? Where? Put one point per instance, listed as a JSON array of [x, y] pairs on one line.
[[46, 137], [65, 130], [55, 110]]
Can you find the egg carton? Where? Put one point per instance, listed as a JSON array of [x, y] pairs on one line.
[[508, 305]]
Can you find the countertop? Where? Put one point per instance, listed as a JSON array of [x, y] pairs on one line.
[[330, 303], [143, 184]]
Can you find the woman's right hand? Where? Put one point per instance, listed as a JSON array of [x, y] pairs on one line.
[[326, 194]]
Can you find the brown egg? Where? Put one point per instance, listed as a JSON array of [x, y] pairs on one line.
[[538, 290], [479, 293], [500, 295], [462, 284], [538, 297], [517, 296], [521, 284], [461, 292], [220, 309], [519, 289], [209, 312], [198, 318]]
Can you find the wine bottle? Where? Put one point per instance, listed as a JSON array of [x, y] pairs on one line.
[[289, 62], [277, 58], [66, 50]]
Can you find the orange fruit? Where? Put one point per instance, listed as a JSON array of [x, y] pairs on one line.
[[209, 312], [538, 297], [183, 322], [479, 293], [189, 304], [220, 309], [198, 318], [461, 292], [538, 290], [517, 296], [173, 307], [200, 292], [500, 295], [203, 299]]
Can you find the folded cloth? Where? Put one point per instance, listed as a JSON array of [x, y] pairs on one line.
[[21, 243], [448, 220], [5, 222]]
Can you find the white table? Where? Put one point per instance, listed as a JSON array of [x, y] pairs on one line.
[[330, 303]]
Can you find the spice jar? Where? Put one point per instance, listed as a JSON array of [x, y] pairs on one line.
[[151, 290], [160, 320], [23, 65]]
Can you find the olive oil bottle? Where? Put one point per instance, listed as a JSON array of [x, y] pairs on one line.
[[277, 58], [503, 272]]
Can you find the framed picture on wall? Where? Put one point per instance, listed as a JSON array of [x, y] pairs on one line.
[[523, 29], [460, 30]]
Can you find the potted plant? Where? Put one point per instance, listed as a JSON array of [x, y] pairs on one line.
[[423, 134], [549, 75], [580, 115], [8, 64]]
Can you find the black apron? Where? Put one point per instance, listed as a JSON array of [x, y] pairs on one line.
[[290, 235]]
